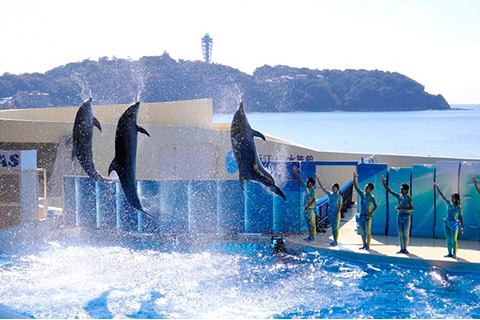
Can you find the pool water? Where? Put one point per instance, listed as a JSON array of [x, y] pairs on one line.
[[127, 278]]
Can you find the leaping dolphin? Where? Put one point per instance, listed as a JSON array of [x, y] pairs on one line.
[[82, 139], [245, 153], [124, 162]]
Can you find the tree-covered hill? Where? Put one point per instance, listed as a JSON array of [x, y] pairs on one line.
[[269, 89]]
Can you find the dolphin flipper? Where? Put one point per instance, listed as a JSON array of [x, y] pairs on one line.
[[258, 134], [142, 130], [96, 123], [113, 166]]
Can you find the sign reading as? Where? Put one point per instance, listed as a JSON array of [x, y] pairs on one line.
[[9, 159]]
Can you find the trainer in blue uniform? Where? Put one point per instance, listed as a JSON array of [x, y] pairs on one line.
[[368, 206], [335, 201], [308, 204], [405, 205], [454, 215]]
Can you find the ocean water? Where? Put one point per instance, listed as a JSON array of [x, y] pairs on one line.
[[82, 279], [452, 133]]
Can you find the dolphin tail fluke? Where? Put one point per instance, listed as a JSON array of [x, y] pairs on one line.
[[278, 191], [113, 166], [90, 170], [146, 213], [95, 175]]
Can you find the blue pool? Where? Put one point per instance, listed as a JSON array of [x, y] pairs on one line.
[[194, 277]]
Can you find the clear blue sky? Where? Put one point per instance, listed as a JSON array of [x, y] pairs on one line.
[[434, 42]]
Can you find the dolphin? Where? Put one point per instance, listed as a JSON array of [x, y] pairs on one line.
[[278, 244], [438, 274], [124, 162], [82, 138], [245, 153]]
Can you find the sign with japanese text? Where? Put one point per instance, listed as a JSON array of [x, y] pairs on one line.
[[285, 158]]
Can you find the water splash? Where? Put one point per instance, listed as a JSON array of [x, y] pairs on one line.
[[228, 98], [137, 69], [79, 78], [119, 279], [279, 170]]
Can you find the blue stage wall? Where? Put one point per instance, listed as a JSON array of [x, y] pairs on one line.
[[230, 206], [470, 200], [222, 206], [258, 208], [423, 217]]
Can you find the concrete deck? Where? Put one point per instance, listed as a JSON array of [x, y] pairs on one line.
[[423, 252]]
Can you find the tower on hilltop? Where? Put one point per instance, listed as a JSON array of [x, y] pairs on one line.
[[207, 43]]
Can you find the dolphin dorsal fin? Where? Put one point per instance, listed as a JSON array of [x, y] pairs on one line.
[[142, 130], [258, 134], [113, 166], [96, 123]]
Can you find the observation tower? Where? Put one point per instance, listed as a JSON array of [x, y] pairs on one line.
[[207, 43]]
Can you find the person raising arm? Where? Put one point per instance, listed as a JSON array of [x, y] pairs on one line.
[[454, 215], [308, 203], [368, 206], [405, 205], [334, 211]]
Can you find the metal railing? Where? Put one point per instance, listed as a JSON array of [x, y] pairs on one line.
[[43, 210], [321, 206]]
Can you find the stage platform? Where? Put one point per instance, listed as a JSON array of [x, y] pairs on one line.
[[383, 249]]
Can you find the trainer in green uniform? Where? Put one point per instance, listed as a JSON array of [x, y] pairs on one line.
[[454, 215], [335, 201], [405, 205], [368, 206], [308, 204]]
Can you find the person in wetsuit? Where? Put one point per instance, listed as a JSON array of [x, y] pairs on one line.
[[368, 206], [405, 205], [335, 201], [454, 216], [308, 204], [475, 182]]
